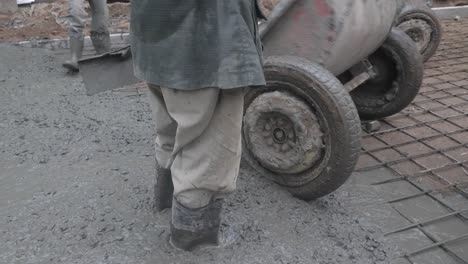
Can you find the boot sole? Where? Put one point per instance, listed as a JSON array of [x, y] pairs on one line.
[[70, 67], [226, 238]]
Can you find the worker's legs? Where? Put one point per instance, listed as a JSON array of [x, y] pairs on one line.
[[100, 26], [77, 16], [207, 149], [166, 129], [205, 157]]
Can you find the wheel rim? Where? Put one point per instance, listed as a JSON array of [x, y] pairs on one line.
[[285, 135], [420, 31], [382, 88]]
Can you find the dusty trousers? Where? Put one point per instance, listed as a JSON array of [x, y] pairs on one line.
[[198, 137], [99, 14]]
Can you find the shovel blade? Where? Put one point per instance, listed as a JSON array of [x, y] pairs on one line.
[[107, 72]]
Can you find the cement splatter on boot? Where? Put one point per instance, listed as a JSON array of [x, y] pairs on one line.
[[76, 49], [101, 42], [194, 228]]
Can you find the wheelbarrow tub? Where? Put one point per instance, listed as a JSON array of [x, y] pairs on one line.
[[336, 34]]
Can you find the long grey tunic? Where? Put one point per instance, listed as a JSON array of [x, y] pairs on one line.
[[193, 44]]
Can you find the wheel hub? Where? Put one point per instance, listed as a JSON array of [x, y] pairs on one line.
[[278, 132], [283, 133], [279, 135], [384, 76], [419, 30]]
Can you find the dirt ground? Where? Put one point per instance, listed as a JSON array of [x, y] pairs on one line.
[[49, 20]]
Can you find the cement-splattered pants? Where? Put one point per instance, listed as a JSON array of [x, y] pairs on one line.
[[99, 14], [198, 137]]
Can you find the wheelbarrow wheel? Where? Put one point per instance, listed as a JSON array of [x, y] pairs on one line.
[[302, 129], [399, 73], [424, 28]]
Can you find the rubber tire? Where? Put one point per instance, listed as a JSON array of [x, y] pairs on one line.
[[319, 86], [413, 11], [410, 70]]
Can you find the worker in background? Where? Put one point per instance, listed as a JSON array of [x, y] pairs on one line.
[[99, 29], [198, 58]]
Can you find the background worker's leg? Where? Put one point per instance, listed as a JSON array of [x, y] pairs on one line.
[[77, 16], [164, 145], [207, 149], [100, 26]]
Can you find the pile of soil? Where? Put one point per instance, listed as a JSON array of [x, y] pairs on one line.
[[49, 20]]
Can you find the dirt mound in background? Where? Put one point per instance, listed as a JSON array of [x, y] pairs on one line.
[[49, 20]]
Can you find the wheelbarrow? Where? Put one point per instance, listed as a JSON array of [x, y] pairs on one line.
[[328, 62], [417, 20]]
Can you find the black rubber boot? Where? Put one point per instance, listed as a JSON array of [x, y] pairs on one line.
[[163, 189], [194, 228]]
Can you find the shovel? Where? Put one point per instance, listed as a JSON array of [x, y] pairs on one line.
[[108, 71]]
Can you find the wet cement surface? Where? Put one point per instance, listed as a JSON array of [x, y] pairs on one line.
[[425, 148], [76, 185]]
